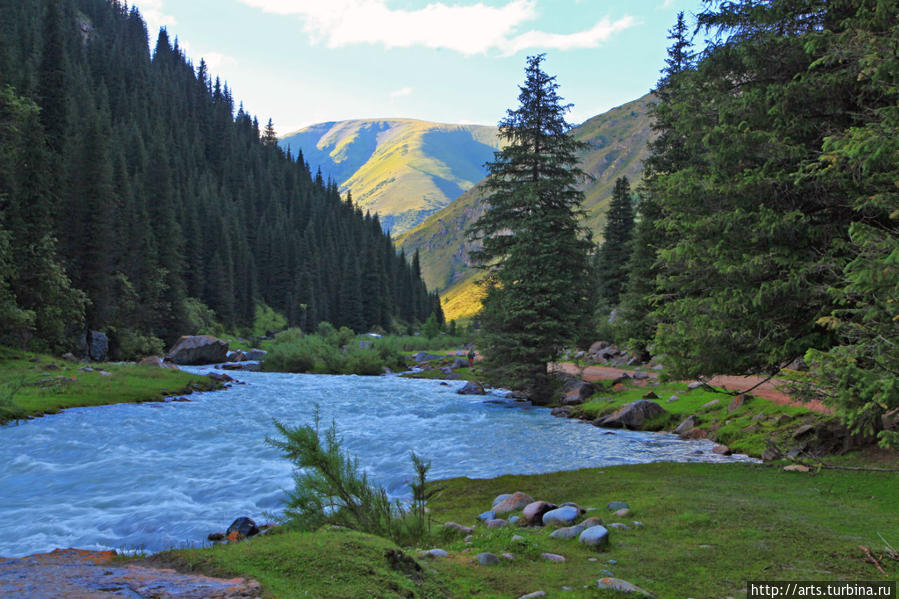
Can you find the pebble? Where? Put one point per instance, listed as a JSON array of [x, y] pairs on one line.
[[488, 515], [459, 527], [497, 523], [595, 536], [616, 505], [514, 520], [673, 398], [518, 539], [436, 553], [619, 526], [637, 523], [623, 513], [534, 595], [592, 559], [508, 556], [612, 562]]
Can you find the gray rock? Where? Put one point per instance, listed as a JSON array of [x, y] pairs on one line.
[[459, 363], [573, 504], [425, 357], [236, 356], [614, 506], [553, 557], [472, 388], [256, 354], [436, 553], [673, 398], [623, 512], [487, 559], [722, 450], [514, 520], [595, 536], [508, 556], [577, 393], [198, 349], [534, 595], [518, 539], [568, 532], [619, 526], [631, 415], [488, 515], [640, 376], [94, 345], [563, 516], [623, 586], [458, 527], [688, 423], [496, 523], [710, 404], [695, 385]]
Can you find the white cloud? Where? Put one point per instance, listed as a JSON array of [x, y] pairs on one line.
[[465, 28], [153, 13], [216, 60], [405, 91]]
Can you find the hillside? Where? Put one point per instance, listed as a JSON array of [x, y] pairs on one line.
[[402, 169], [618, 145]]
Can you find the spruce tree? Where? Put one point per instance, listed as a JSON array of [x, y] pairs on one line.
[[613, 255], [534, 251]]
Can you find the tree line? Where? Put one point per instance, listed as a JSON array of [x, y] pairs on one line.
[[137, 199]]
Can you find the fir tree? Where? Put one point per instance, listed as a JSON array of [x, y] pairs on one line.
[[613, 255], [534, 250]]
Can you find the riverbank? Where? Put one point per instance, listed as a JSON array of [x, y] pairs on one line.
[[32, 385], [705, 529]]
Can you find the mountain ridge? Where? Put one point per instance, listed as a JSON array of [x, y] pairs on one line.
[[401, 168]]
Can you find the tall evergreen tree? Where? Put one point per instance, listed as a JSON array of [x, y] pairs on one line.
[[613, 255], [534, 250]]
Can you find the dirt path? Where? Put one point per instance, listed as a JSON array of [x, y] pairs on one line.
[[82, 574], [769, 390]]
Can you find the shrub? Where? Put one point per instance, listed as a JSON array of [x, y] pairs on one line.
[[330, 488]]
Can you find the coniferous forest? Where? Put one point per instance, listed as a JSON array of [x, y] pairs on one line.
[[138, 197]]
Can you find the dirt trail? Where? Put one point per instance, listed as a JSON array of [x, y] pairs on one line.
[[769, 390], [82, 574]]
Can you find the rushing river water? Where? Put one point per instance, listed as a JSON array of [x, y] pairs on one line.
[[154, 476]]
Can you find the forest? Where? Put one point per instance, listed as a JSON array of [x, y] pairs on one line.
[[139, 198]]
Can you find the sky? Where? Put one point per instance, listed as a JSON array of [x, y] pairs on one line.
[[301, 62]]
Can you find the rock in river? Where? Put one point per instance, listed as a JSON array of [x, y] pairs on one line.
[[472, 388], [198, 349]]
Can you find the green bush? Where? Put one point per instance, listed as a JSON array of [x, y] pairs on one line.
[[133, 345], [330, 488]]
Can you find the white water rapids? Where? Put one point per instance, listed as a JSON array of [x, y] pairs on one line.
[[154, 476]]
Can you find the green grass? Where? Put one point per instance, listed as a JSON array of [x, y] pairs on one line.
[[50, 384], [707, 529], [737, 429]]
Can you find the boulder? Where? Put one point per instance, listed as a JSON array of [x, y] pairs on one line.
[[499, 498], [622, 586], [597, 346], [593, 521], [94, 345], [632, 415], [513, 502], [533, 512], [578, 393], [256, 355], [472, 388], [459, 363], [198, 349], [573, 504], [721, 450], [487, 516], [562, 516], [220, 377], [251, 366], [596, 537], [158, 362], [244, 526]]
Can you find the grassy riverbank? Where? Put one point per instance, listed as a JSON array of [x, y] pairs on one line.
[[745, 428], [35, 384], [707, 529]]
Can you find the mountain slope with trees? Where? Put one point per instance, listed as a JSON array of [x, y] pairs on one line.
[[401, 169], [137, 199]]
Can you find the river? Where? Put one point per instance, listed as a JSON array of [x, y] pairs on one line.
[[155, 476]]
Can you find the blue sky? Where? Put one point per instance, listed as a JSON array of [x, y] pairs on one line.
[[457, 61]]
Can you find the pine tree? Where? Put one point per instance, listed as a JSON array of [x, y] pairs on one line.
[[613, 255], [535, 252], [269, 137]]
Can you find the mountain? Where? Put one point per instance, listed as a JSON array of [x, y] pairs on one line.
[[402, 169], [617, 147]]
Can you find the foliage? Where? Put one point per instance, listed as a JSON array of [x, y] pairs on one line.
[[538, 286], [332, 351], [330, 488], [9, 410], [431, 328]]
